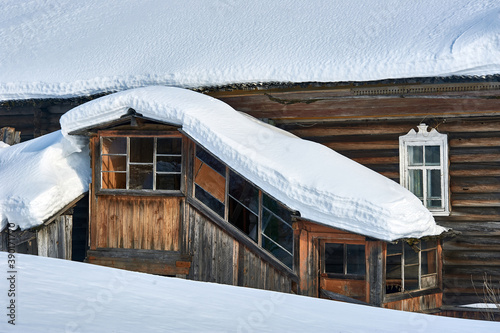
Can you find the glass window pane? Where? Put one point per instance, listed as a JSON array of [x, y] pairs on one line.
[[428, 244], [415, 155], [393, 267], [114, 145], [416, 183], [243, 218], [411, 278], [244, 192], [141, 177], [277, 230], [214, 163], [169, 146], [429, 262], [168, 164], [355, 259], [277, 208], [114, 163], [334, 258], [141, 150], [114, 180], [209, 200], [393, 282], [434, 183], [432, 156], [278, 252], [168, 182], [411, 256], [394, 248], [210, 180]]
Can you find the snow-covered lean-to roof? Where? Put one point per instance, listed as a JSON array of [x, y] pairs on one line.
[[72, 48], [321, 184]]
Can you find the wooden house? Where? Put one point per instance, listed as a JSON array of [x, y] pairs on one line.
[[366, 122], [161, 202]]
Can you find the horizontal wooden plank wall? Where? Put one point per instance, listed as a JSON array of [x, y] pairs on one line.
[[150, 223], [367, 129], [218, 257], [474, 187], [36, 117]]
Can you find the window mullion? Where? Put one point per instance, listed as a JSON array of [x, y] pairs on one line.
[[345, 259], [154, 162], [402, 266], [128, 163], [259, 220], [226, 196]]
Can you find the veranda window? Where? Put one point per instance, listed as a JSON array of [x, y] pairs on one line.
[[141, 163], [344, 260], [260, 217], [410, 268]]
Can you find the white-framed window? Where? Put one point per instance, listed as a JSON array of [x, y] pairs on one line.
[[424, 167]]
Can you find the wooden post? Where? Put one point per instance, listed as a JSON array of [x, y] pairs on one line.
[[9, 135]]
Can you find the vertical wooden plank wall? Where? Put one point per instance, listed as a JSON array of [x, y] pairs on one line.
[[55, 240], [148, 223], [218, 257]]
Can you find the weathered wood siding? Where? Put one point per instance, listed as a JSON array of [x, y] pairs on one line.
[[36, 117], [218, 257], [365, 123], [417, 304], [55, 239], [131, 222]]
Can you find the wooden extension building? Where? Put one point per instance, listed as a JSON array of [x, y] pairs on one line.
[[161, 202]]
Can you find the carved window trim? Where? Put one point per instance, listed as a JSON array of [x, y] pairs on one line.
[[425, 138]]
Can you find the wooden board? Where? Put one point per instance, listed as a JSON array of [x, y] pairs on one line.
[[138, 222]]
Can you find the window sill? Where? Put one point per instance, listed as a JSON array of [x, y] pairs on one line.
[[149, 193], [410, 294], [440, 213]]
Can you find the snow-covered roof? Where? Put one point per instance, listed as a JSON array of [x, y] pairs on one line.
[[67, 296], [321, 184], [40, 177], [74, 48]]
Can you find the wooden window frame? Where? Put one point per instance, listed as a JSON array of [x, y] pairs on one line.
[[344, 275], [424, 138], [437, 274], [133, 134], [225, 218]]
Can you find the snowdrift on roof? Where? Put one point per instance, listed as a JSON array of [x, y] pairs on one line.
[[74, 48], [40, 177], [321, 184]]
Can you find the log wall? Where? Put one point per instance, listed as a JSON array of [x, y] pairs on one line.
[[365, 126]]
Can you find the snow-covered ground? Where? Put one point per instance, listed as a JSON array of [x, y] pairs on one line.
[[66, 48], [53, 295]]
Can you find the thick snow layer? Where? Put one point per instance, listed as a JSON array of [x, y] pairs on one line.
[[321, 184], [66, 48], [482, 306], [41, 176], [53, 295]]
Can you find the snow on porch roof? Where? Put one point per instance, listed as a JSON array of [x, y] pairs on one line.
[[321, 184], [74, 48]]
